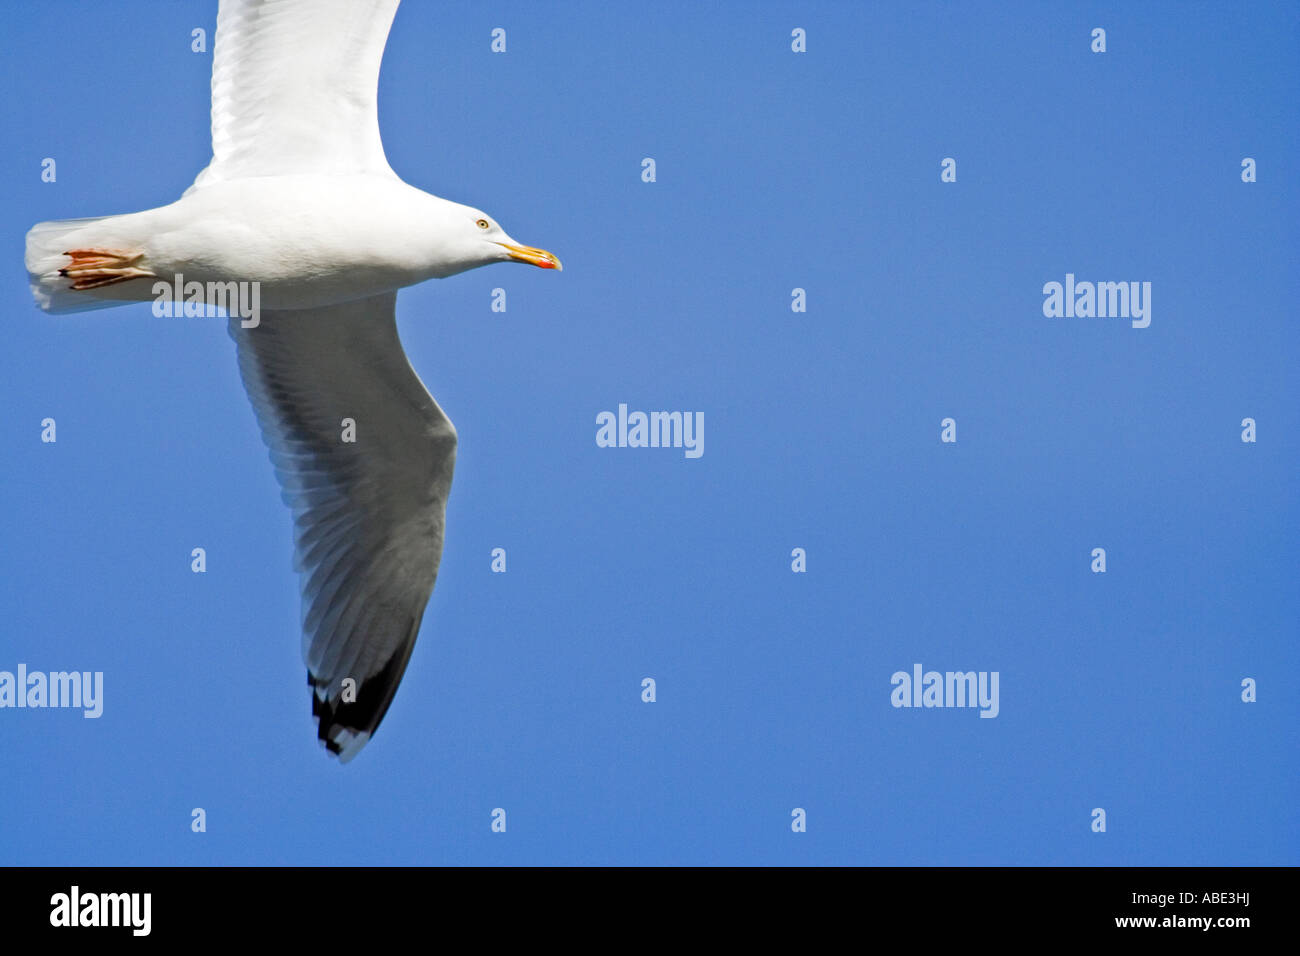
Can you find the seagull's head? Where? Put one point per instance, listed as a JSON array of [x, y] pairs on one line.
[[469, 238]]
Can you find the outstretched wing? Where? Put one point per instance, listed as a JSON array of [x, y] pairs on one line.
[[364, 457], [294, 86]]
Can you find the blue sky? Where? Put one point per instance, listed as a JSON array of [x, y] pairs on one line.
[[775, 170]]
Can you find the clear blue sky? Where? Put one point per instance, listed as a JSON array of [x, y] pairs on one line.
[[775, 170]]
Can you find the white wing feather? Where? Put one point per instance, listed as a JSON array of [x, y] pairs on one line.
[[294, 88]]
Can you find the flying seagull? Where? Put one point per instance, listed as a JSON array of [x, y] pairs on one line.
[[300, 204]]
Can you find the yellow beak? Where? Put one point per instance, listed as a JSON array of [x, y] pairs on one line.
[[534, 257]]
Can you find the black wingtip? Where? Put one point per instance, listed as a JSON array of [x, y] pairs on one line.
[[340, 724]]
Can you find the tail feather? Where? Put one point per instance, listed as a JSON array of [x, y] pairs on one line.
[[47, 258]]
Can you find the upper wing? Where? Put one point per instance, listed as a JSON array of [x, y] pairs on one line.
[[294, 87], [368, 512]]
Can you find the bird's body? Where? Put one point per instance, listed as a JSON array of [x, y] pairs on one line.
[[300, 200], [309, 240]]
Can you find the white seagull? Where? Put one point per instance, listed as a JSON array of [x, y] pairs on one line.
[[300, 199]]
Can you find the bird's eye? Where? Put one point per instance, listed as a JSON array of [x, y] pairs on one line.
[[482, 224]]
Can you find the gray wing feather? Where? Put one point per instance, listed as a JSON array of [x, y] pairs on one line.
[[368, 514]]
